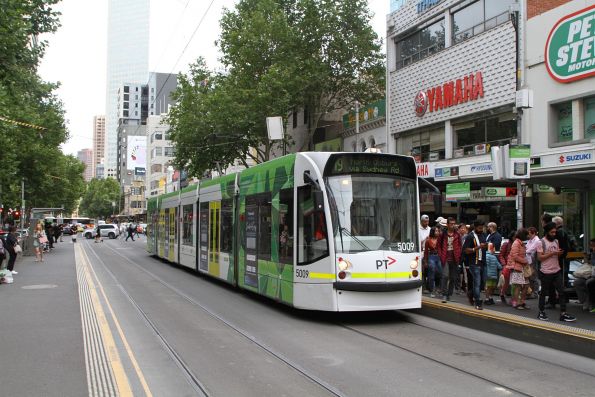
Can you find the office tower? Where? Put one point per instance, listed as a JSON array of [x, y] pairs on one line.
[[127, 61], [86, 156], [98, 142]]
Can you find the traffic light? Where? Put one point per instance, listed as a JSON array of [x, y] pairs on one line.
[[16, 214]]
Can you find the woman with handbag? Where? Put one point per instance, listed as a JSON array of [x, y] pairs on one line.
[[38, 237], [519, 266], [11, 246]]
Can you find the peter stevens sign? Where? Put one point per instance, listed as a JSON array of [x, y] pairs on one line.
[[570, 47]]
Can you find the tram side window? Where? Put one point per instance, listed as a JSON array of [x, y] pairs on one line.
[[264, 227], [226, 226], [187, 225], [312, 233], [286, 226]]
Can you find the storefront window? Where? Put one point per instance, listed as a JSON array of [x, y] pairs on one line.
[[563, 117], [589, 109], [420, 44], [479, 17], [427, 145], [476, 137]]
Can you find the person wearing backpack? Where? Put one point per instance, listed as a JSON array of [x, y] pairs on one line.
[[550, 272]]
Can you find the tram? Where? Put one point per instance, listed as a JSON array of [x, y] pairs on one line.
[[314, 230]]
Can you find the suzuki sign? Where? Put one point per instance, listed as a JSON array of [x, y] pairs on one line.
[[570, 47]]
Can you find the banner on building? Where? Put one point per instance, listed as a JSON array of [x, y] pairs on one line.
[[136, 152], [458, 191]]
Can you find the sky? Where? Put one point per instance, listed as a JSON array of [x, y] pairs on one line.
[[76, 53]]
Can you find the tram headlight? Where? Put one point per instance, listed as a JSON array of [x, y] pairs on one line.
[[343, 264], [414, 264]]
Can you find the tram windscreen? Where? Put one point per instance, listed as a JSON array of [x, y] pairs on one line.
[[373, 212]]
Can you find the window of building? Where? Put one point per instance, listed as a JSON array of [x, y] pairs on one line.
[[166, 135], [363, 145], [126, 105], [420, 44], [563, 118], [479, 16], [136, 89], [126, 97], [425, 145], [136, 104], [477, 136], [294, 119], [187, 225], [126, 88], [286, 226], [125, 113], [136, 113], [169, 151], [158, 136], [589, 110]]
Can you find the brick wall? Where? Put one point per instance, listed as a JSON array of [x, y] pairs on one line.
[[536, 7]]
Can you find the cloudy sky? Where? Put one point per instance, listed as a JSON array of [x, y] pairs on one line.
[[76, 56]]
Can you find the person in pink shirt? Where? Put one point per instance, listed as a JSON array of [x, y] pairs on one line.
[[550, 272], [531, 252]]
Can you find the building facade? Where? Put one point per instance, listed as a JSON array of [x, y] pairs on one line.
[[451, 97], [161, 152], [86, 156], [560, 71], [127, 60], [98, 143], [369, 132]]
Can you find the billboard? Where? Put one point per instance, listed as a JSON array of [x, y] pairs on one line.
[[136, 152]]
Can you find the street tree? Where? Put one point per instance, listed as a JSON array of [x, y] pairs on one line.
[[279, 55], [98, 198]]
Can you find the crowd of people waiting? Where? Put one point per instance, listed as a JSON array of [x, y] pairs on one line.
[[470, 259], [45, 235]]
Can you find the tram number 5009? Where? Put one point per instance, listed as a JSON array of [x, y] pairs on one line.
[[301, 273]]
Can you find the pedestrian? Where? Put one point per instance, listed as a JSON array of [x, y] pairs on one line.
[[432, 259], [57, 232], [11, 243], [38, 234], [475, 249], [2, 253], [449, 250], [550, 272], [129, 231], [531, 249], [424, 232], [462, 272], [49, 233], [503, 259], [493, 236], [517, 260], [441, 222], [493, 268], [137, 230]]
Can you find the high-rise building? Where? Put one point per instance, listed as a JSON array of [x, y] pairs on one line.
[[98, 142], [127, 60], [86, 156]]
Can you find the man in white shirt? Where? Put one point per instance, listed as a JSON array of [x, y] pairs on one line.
[[424, 232]]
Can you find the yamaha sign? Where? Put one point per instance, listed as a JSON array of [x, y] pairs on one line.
[[570, 47]]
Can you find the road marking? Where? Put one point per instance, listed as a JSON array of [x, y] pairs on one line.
[[129, 351]]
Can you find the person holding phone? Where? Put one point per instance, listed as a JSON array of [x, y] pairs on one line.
[[550, 272]]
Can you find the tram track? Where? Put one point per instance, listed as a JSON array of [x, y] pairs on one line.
[[304, 372], [192, 378]]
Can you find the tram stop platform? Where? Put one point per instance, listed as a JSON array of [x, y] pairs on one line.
[[501, 319]]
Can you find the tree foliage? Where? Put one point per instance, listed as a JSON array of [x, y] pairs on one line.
[[98, 198], [279, 55], [52, 179]]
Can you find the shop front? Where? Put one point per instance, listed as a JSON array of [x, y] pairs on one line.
[[561, 125]]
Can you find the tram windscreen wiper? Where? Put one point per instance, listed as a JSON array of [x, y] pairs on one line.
[[354, 238]]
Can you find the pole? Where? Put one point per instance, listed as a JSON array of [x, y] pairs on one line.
[[356, 119], [22, 203]]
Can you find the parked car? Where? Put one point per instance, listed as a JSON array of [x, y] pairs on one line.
[[109, 230]]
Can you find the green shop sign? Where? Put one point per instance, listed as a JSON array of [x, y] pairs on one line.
[[370, 112], [458, 191], [570, 47]]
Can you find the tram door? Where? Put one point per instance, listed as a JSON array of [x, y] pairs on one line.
[[203, 262], [214, 240], [258, 235]]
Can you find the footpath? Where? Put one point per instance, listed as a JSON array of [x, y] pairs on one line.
[[41, 342], [573, 337]]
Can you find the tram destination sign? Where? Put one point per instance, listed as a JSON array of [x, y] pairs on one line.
[[370, 163], [570, 47]]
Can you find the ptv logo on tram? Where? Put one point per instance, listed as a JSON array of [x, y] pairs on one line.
[[385, 262]]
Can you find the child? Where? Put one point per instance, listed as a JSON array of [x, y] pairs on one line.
[[493, 268]]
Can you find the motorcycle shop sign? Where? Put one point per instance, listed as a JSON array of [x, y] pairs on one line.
[[452, 93], [570, 47]]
